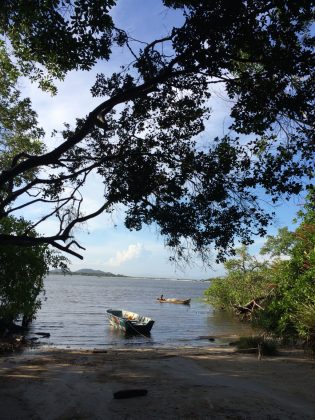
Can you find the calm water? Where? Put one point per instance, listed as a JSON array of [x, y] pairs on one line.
[[74, 312]]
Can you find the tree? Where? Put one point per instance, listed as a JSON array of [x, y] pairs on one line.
[[246, 280], [286, 281], [20, 135], [22, 270], [292, 308], [146, 150], [52, 38], [280, 245]]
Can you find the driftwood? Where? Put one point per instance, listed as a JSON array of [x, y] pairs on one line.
[[248, 309], [130, 393]]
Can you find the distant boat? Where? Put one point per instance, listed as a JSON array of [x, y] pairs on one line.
[[174, 300], [130, 322]]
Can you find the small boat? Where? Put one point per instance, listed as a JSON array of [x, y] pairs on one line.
[[130, 322], [174, 300]]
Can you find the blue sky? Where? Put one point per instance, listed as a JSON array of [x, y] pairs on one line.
[[109, 246]]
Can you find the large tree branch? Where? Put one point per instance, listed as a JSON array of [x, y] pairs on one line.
[[99, 112], [63, 235], [49, 181], [24, 240]]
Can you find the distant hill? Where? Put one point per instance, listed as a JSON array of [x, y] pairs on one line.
[[88, 272]]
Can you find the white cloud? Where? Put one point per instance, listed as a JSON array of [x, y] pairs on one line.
[[133, 251]]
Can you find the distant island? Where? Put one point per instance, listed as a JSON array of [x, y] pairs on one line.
[[87, 272]]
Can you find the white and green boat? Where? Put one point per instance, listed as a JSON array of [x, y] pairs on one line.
[[129, 322]]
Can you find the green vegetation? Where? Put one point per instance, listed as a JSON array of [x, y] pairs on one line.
[[244, 281], [22, 270], [284, 285]]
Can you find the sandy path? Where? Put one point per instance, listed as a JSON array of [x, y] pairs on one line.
[[181, 384]]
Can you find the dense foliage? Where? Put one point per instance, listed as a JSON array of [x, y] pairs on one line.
[[20, 135], [53, 37], [142, 140], [22, 271], [286, 281], [245, 280]]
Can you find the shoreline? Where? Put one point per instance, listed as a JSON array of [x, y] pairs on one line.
[[181, 383]]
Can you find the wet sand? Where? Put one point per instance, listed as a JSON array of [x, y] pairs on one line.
[[182, 383]]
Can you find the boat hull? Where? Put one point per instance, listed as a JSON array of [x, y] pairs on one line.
[[130, 322], [179, 301]]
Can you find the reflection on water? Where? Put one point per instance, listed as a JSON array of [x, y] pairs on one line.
[[75, 312], [117, 337], [226, 324]]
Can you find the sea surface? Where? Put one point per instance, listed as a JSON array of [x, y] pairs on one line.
[[74, 312]]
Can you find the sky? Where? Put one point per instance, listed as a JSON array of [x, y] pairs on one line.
[[109, 245]]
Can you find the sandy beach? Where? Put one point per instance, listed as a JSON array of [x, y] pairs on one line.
[[181, 383]]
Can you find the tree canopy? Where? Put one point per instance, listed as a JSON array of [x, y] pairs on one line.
[[142, 138]]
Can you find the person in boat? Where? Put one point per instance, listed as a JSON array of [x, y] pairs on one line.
[[161, 297]]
